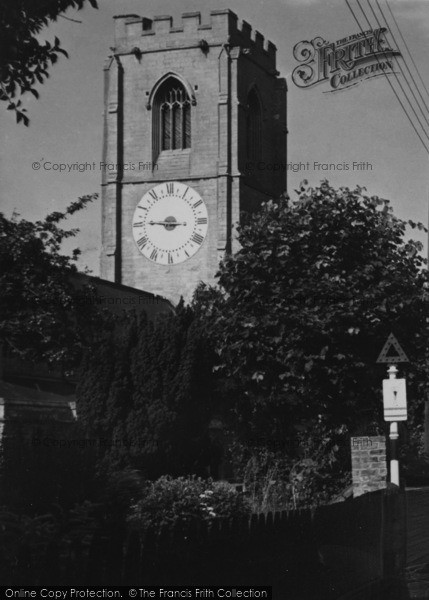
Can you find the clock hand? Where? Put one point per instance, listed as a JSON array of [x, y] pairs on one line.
[[171, 223]]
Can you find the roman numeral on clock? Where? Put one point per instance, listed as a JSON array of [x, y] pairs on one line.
[[154, 254], [197, 203], [170, 188], [139, 224], [197, 238], [201, 220], [141, 243], [185, 192], [153, 194], [170, 258]]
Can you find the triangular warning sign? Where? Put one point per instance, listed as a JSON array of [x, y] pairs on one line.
[[392, 352]]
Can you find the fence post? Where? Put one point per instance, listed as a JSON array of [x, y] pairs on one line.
[[394, 540]]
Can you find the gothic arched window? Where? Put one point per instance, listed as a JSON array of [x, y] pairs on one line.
[[172, 117], [253, 126]]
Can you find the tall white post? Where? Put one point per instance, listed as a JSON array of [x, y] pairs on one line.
[[394, 463], [393, 436]]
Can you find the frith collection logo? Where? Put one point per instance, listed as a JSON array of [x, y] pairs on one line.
[[345, 62]]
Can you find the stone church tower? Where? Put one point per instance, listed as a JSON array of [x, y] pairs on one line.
[[195, 120]]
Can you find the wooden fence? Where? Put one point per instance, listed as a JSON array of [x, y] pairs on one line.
[[354, 549]]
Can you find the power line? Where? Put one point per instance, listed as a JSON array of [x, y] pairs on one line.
[[390, 83], [397, 78], [399, 65], [406, 46], [405, 62]]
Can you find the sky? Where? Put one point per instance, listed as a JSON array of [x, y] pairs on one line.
[[362, 124]]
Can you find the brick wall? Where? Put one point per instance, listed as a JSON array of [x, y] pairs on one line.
[[369, 466]]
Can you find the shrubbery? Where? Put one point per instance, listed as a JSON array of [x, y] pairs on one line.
[[170, 501], [313, 473]]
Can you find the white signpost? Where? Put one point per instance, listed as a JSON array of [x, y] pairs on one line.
[[394, 399]]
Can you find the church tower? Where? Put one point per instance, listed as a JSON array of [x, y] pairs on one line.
[[194, 134]]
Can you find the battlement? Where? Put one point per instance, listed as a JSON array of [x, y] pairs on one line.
[[133, 31]]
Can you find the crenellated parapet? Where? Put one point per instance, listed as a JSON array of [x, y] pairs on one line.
[[134, 33]]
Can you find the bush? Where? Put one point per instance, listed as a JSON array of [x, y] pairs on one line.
[[24, 541], [170, 501], [288, 478]]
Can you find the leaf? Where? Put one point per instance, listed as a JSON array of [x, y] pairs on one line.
[[258, 376], [309, 365]]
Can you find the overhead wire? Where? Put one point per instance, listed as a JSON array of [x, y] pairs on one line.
[[406, 46], [403, 57], [397, 79], [398, 63], [391, 85]]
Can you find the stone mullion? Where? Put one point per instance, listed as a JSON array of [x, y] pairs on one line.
[[182, 127]]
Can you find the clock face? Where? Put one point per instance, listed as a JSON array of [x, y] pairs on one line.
[[170, 223]]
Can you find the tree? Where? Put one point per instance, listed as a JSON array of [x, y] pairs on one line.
[[40, 315], [307, 303], [146, 395], [24, 59]]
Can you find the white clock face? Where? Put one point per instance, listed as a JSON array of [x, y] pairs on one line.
[[170, 223]]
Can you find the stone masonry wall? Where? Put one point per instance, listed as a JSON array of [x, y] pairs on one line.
[[219, 63]]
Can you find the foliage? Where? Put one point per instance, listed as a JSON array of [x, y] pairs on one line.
[[24, 59], [168, 502], [117, 491], [37, 548], [306, 306], [147, 391], [288, 478], [24, 540], [45, 465], [40, 543], [41, 318]]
